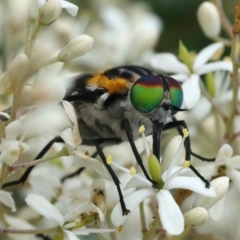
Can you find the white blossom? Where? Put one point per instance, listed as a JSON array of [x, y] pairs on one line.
[[169, 63]]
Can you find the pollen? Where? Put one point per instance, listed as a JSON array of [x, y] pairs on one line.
[[141, 129], [132, 170], [109, 159], [185, 133], [186, 163], [119, 229], [113, 86]]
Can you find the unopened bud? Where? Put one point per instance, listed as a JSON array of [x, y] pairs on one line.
[[76, 48], [18, 68], [209, 19], [220, 186], [50, 12], [196, 216]]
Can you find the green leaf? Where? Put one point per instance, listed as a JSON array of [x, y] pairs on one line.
[[185, 56]]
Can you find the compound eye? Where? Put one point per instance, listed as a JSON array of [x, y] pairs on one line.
[[147, 93], [176, 93]]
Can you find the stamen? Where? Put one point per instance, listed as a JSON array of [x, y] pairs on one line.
[[141, 129], [185, 133], [186, 164], [119, 229], [109, 159], [132, 170]]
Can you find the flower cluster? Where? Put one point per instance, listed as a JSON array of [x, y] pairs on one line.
[[70, 192]]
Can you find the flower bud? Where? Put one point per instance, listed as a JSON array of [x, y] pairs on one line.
[[195, 216], [220, 186], [50, 12], [209, 19], [76, 48], [18, 68]]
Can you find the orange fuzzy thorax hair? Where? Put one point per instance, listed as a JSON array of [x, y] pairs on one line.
[[113, 86]]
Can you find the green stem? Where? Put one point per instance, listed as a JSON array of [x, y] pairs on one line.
[[30, 231], [214, 104], [234, 56], [225, 41], [61, 153], [28, 38], [4, 173], [153, 229]]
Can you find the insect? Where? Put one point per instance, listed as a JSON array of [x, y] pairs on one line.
[[112, 105]]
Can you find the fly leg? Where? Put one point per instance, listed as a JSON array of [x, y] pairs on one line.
[[28, 171], [135, 151], [125, 211], [176, 124]]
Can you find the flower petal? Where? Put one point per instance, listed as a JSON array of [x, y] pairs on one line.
[[131, 201], [224, 152], [83, 160], [216, 211], [234, 176], [192, 183], [168, 62], [170, 213], [42, 206], [68, 235], [13, 129], [234, 162], [220, 185], [68, 107], [70, 7], [191, 91], [215, 66], [205, 54], [83, 207], [70, 138], [7, 200]]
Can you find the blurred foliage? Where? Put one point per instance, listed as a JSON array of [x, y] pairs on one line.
[[180, 23], [179, 19]]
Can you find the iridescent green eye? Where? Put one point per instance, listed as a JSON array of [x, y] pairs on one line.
[[147, 93], [176, 93]]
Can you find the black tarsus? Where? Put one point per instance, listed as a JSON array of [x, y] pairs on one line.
[[125, 211], [135, 151], [77, 172], [178, 124], [179, 129]]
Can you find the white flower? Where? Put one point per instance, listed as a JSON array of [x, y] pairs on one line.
[[169, 212], [169, 63], [41, 205]]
